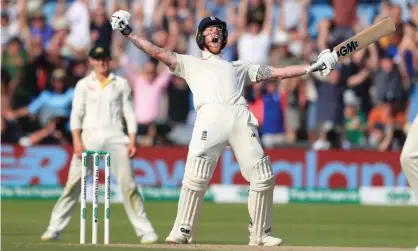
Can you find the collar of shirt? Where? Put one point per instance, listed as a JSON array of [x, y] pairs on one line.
[[208, 55], [104, 82]]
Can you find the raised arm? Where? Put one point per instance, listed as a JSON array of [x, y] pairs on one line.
[[268, 17], [267, 72], [162, 54], [327, 61], [120, 21]]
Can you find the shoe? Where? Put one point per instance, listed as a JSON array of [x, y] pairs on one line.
[[179, 240], [272, 241], [149, 238], [269, 241], [50, 236]]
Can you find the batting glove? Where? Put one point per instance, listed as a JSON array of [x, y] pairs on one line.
[[120, 21], [329, 59]]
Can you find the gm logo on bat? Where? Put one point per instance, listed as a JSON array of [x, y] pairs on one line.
[[348, 48]]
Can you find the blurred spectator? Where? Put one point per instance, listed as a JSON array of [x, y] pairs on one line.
[[178, 100], [50, 102], [58, 43], [361, 81], [6, 32], [77, 70], [137, 58], [386, 113], [39, 27], [9, 129], [189, 30], [329, 138], [355, 122], [54, 132], [100, 28], [340, 27], [254, 44], [310, 117], [218, 8], [37, 73], [148, 86], [256, 12], [330, 104], [178, 93], [55, 10], [272, 128], [376, 136], [257, 104], [385, 124], [225, 10], [10, 8], [282, 57], [79, 22], [14, 57], [5, 98], [388, 80], [290, 14]]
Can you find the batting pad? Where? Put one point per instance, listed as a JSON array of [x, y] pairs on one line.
[[260, 201], [198, 172]]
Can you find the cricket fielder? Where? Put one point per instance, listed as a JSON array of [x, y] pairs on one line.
[[101, 101], [409, 157], [223, 117]]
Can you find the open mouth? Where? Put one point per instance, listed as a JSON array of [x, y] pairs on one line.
[[216, 42]]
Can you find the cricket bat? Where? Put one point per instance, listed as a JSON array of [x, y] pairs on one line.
[[360, 41]]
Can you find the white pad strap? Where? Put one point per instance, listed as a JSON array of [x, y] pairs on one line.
[[198, 172], [260, 201]]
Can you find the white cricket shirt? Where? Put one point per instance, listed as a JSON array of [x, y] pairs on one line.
[[214, 80], [103, 108]]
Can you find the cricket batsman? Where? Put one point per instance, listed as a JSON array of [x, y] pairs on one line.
[[223, 117], [409, 157], [101, 101]]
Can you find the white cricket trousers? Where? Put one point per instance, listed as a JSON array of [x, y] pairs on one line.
[[121, 168], [217, 126]]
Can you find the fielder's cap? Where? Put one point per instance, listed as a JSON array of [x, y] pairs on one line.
[[99, 51], [210, 21]]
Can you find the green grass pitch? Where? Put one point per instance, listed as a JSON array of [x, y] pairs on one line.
[[23, 222]]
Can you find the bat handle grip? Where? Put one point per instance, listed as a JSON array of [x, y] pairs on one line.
[[126, 31], [315, 66]]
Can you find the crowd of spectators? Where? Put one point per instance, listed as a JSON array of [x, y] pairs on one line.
[[369, 101]]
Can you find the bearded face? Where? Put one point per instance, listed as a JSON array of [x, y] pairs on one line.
[[213, 37]]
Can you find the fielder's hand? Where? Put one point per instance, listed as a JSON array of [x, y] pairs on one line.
[[120, 21], [78, 148], [131, 150]]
